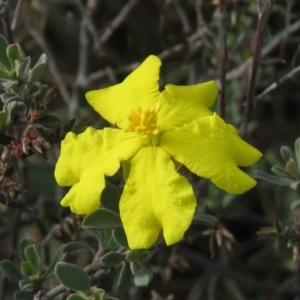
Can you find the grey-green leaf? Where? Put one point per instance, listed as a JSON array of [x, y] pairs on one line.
[[15, 53], [102, 219], [33, 256], [297, 152], [206, 220], [76, 297], [3, 57], [73, 277], [22, 245], [124, 280], [50, 120], [10, 271], [38, 69], [287, 153], [138, 255], [23, 295], [272, 179], [280, 171], [111, 259], [143, 278], [61, 253], [110, 198], [120, 237], [295, 203]]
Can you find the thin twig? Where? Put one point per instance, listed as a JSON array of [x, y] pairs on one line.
[[253, 71], [276, 84], [16, 15], [52, 65], [163, 55], [222, 57], [240, 70], [117, 22]]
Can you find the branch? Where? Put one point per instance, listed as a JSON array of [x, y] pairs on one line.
[[275, 85], [253, 71], [240, 70], [117, 22], [52, 66], [222, 57]]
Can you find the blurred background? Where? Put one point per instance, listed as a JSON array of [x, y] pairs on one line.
[[252, 49]]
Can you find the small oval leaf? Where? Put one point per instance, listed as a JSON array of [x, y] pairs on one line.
[[23, 295], [120, 237], [272, 179], [75, 297], [73, 277], [287, 153], [111, 259], [143, 277], [50, 120], [102, 219], [124, 280], [10, 271], [33, 256], [206, 220]]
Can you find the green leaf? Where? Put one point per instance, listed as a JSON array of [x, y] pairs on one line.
[[272, 179], [3, 57], [10, 271], [138, 255], [295, 203], [50, 120], [26, 284], [110, 198], [111, 259], [297, 152], [6, 97], [61, 253], [69, 125], [136, 267], [11, 84], [280, 171], [76, 297], [34, 89], [102, 219], [38, 69], [15, 53], [120, 237], [23, 295], [206, 220], [33, 256], [27, 269], [294, 185], [124, 279], [98, 294], [24, 69], [77, 246], [22, 245], [5, 74], [3, 120], [111, 298], [143, 278], [73, 277], [287, 153]]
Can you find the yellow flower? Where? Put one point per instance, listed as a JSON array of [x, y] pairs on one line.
[[156, 129]]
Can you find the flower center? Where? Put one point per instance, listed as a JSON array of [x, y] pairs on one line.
[[144, 122]]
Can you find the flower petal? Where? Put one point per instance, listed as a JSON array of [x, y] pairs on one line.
[[212, 149], [139, 89], [119, 146], [155, 197], [84, 196], [78, 152], [181, 104]]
